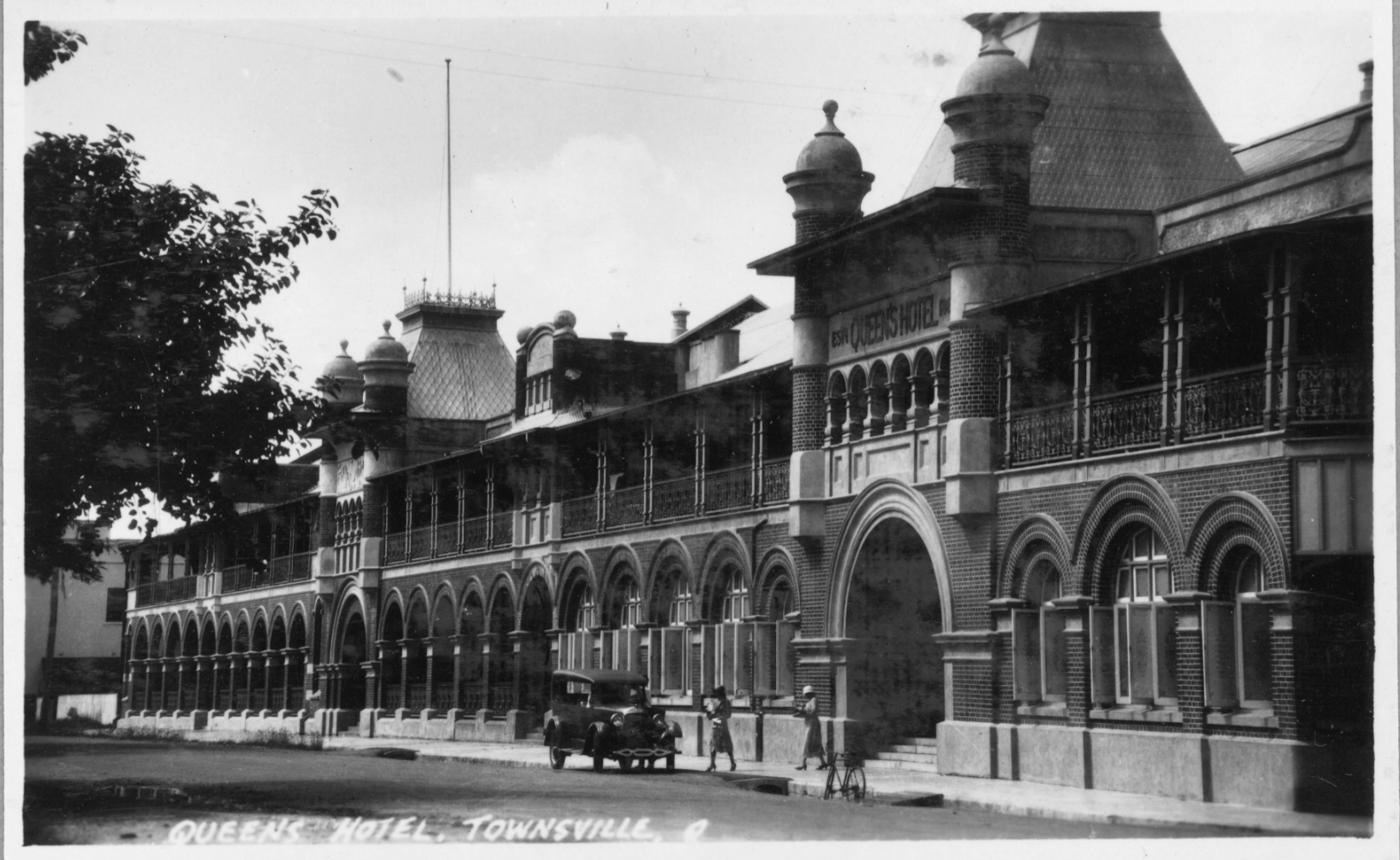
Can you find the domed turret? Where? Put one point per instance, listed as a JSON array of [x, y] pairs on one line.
[[996, 71], [386, 368], [829, 183], [341, 384]]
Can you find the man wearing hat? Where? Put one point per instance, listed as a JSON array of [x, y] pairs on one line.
[[720, 741], [812, 743]]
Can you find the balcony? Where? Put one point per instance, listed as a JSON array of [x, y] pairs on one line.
[[166, 591], [736, 489], [1210, 406], [446, 540]]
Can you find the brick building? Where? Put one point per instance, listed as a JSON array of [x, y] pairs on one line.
[[1061, 464]]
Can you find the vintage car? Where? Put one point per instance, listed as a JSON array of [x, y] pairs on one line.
[[605, 714]]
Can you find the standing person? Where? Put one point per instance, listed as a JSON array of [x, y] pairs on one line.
[[720, 741], [812, 742]]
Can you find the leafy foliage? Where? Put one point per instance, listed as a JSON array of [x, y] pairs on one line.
[[137, 295], [45, 47]]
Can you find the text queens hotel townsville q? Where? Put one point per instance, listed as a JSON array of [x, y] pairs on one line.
[[1061, 464]]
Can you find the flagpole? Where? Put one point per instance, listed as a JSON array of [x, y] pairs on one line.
[[449, 177]]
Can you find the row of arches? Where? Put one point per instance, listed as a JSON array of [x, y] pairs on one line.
[[488, 641], [193, 661], [867, 402]]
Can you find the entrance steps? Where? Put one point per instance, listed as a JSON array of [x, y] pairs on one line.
[[906, 754]]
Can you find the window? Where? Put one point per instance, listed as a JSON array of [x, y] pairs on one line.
[[116, 604], [1037, 641], [774, 657], [728, 644], [667, 666], [1134, 650], [1236, 638]]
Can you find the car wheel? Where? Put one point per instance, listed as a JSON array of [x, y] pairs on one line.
[[625, 763], [556, 757], [671, 763], [598, 759]]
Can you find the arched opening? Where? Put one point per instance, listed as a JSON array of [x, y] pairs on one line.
[[440, 698], [472, 625], [856, 404], [835, 408], [415, 647], [878, 397], [534, 649], [575, 617], [901, 393], [354, 646], [500, 668], [893, 611], [391, 691]]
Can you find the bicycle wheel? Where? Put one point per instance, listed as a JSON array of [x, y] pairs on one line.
[[853, 786], [830, 783]]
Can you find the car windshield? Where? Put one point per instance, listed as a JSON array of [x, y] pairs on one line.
[[619, 695]]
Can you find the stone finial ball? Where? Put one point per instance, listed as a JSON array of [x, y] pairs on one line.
[[829, 108], [565, 319], [522, 334]]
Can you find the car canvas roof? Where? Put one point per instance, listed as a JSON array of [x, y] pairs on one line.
[[614, 676]]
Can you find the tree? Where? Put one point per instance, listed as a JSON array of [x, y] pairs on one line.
[[45, 47], [137, 295]]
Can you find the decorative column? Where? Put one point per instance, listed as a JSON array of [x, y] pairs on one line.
[[517, 642], [457, 639], [406, 647], [1077, 657], [182, 669], [164, 681], [234, 661], [214, 677], [1190, 676], [372, 690], [486, 679], [146, 685], [201, 679], [426, 644], [288, 657]]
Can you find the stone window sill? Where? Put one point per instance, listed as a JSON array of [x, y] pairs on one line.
[[1137, 713], [1056, 710], [1249, 719]]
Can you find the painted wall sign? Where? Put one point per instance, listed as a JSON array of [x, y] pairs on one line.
[[900, 318], [349, 475]]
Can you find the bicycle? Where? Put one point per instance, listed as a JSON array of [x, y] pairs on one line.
[[851, 783]]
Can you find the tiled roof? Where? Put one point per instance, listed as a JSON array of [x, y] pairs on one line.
[[459, 374], [1299, 144], [1124, 129]]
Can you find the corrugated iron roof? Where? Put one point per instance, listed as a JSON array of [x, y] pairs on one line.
[[1315, 138]]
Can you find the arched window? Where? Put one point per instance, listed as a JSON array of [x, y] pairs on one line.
[[1237, 638], [780, 600], [835, 408], [728, 641], [878, 395], [1143, 644], [1037, 636], [856, 404]]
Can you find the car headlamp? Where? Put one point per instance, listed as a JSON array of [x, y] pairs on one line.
[[617, 720]]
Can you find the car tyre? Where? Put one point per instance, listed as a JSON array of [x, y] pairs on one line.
[[671, 763], [625, 763], [598, 759], [556, 757]]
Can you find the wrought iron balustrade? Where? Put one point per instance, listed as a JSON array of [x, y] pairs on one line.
[[1224, 402], [1332, 390], [166, 591], [445, 535], [474, 534], [473, 697], [502, 529], [417, 697], [624, 507], [395, 548], [301, 566], [1041, 434], [728, 489], [1125, 419], [580, 516], [239, 577], [673, 499], [775, 482], [420, 543]]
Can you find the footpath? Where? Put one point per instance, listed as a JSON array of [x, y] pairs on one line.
[[920, 788]]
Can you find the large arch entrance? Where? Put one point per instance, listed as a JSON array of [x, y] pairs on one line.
[[534, 649], [351, 656], [893, 610]]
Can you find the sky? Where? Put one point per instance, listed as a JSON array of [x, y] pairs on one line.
[[614, 163]]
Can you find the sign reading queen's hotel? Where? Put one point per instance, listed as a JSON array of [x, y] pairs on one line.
[[889, 321]]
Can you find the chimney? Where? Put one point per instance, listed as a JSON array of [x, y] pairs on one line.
[[1367, 69], [678, 324], [619, 334]]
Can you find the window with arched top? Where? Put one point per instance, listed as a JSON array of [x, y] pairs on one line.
[[1132, 641], [727, 641], [1039, 654], [835, 409], [1236, 634]]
